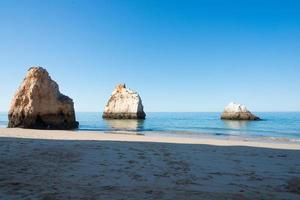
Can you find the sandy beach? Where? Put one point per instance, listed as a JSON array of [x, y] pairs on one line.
[[37, 164]]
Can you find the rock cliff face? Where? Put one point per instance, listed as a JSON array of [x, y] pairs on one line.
[[236, 111], [124, 104], [38, 104]]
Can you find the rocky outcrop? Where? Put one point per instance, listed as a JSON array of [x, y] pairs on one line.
[[124, 104], [38, 104], [236, 111]]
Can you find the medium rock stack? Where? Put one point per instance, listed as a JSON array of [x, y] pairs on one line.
[[124, 104], [236, 111], [38, 104]]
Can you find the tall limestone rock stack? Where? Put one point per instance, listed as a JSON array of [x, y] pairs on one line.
[[38, 104], [124, 104], [236, 111]]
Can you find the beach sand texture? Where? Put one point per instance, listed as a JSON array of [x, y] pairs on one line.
[[87, 165]]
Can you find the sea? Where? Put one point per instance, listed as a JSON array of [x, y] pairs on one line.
[[274, 125]]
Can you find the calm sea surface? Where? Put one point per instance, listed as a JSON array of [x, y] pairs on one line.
[[281, 125]]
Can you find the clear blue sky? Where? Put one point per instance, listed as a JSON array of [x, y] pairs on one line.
[[179, 55]]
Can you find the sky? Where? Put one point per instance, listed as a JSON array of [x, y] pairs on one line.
[[181, 56]]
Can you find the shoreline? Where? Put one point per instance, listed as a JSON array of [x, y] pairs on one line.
[[111, 136]]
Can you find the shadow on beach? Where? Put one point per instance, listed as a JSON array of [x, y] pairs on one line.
[[57, 169]]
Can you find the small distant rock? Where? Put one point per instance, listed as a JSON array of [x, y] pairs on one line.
[[294, 185], [124, 104], [38, 104], [236, 111]]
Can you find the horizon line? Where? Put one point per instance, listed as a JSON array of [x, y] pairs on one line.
[[178, 111]]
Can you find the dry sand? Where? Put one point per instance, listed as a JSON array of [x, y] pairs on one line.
[[37, 164]]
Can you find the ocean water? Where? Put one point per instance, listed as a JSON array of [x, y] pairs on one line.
[[275, 125]]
